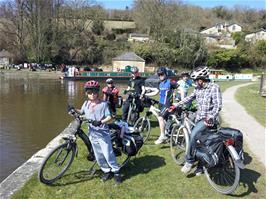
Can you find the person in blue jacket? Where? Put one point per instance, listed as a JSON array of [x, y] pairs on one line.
[[166, 88]]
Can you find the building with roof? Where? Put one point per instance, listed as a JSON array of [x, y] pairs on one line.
[[5, 58], [221, 28], [256, 36], [128, 59]]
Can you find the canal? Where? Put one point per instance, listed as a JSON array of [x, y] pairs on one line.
[[32, 112]]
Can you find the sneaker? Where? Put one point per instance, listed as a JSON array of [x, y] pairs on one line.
[[187, 167], [117, 178], [160, 140], [198, 171], [106, 176]]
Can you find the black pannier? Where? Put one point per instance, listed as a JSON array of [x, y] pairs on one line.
[[132, 143], [211, 150], [237, 136]]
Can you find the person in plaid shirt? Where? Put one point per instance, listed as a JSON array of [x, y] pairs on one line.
[[209, 103]]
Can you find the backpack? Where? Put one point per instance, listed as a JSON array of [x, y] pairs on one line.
[[132, 143]]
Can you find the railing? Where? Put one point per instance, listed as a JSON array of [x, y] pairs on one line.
[[112, 74]]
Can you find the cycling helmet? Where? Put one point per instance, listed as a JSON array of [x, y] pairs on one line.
[[201, 72], [92, 85], [134, 69], [109, 81], [161, 70]]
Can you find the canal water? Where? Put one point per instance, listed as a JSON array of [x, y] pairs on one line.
[[32, 112]]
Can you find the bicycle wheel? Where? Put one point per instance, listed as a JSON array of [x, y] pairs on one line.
[[224, 177], [56, 163], [144, 127], [178, 144]]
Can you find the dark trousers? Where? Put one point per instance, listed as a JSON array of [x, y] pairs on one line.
[[126, 105]]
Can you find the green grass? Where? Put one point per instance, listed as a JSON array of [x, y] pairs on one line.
[[151, 174], [254, 104]]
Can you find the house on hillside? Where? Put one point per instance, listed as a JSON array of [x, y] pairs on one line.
[[222, 28], [256, 36], [128, 59], [220, 35], [6, 58], [138, 37]]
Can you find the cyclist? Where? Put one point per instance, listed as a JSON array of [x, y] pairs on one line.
[[97, 110], [110, 95], [136, 85], [184, 84], [209, 100], [166, 89]]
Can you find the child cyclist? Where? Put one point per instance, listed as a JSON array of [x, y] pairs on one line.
[[97, 110], [110, 95]]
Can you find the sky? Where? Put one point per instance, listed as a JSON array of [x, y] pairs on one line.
[[256, 4]]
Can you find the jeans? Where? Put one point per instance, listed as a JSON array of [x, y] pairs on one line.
[[103, 151], [197, 131]]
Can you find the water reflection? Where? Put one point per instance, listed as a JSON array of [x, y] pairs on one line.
[[32, 112]]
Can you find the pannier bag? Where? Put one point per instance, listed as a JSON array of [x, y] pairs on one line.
[[237, 136], [132, 143], [119, 102], [211, 151]]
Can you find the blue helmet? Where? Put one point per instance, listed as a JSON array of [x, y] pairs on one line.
[[161, 71]]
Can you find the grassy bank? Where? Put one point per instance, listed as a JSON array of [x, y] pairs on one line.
[[254, 104], [151, 174]]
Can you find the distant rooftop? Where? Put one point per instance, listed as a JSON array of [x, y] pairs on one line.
[[130, 56]]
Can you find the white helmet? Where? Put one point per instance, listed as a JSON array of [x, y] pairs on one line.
[[201, 72], [109, 81]]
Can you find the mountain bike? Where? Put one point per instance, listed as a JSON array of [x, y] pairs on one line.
[[222, 164], [59, 160]]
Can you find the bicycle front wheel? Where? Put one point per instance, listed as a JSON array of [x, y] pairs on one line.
[[56, 163], [224, 177], [178, 144], [144, 127]]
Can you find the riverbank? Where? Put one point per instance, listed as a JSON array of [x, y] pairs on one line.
[[152, 163], [22, 174], [26, 73]]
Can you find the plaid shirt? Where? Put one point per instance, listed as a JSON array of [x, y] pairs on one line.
[[209, 101]]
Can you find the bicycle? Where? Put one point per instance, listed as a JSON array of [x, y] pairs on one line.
[[59, 160], [133, 112], [222, 169], [143, 124]]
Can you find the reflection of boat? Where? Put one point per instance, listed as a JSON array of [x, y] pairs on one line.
[[103, 75]]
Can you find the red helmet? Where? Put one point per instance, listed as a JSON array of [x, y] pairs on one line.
[[92, 85]]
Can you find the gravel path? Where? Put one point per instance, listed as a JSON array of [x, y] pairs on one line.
[[236, 116]]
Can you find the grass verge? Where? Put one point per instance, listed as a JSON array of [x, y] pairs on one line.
[[151, 174], [254, 104]]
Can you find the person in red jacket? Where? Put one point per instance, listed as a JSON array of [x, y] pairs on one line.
[[110, 95]]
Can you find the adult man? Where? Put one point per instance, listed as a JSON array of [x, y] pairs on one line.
[[136, 85], [209, 103], [166, 89]]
